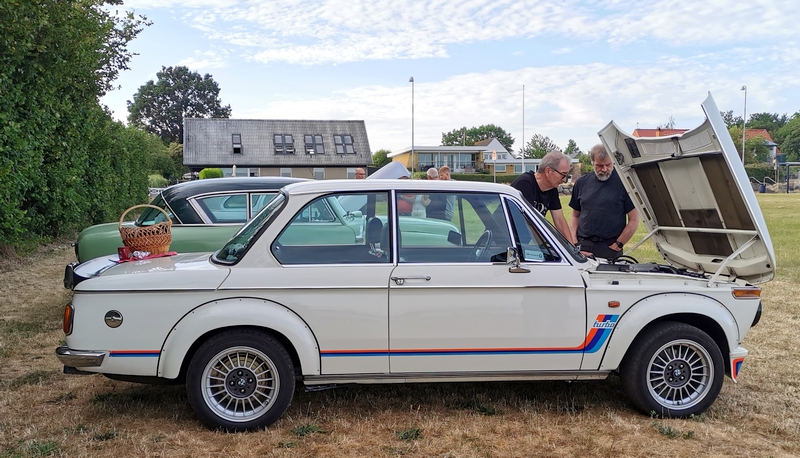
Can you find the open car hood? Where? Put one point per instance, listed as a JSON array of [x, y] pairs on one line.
[[694, 197]]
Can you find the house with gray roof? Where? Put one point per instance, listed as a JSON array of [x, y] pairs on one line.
[[276, 147]]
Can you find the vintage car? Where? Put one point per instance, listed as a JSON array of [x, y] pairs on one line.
[[499, 295], [204, 213]]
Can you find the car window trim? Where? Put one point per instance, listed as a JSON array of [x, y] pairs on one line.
[[544, 231]]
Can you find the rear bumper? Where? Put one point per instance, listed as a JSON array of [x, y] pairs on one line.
[[79, 358]]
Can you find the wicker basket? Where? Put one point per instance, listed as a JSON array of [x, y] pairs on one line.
[[155, 239]]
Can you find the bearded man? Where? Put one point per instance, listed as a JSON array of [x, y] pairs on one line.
[[600, 206]]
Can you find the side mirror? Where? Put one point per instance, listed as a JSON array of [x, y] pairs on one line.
[[512, 257]]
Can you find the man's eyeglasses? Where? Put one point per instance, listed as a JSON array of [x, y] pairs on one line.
[[563, 175]]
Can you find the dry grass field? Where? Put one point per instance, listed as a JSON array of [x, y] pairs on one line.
[[46, 413]]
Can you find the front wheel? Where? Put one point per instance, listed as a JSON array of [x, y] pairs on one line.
[[675, 370], [240, 380]]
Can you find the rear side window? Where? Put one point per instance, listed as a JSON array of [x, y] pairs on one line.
[[337, 229], [228, 208]]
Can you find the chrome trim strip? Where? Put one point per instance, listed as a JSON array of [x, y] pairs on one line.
[[79, 358], [304, 288], [422, 377]]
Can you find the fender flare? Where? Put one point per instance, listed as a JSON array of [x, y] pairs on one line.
[[631, 323], [234, 312]]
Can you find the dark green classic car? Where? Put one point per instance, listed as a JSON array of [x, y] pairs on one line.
[[204, 213]]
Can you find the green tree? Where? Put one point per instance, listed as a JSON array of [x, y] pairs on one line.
[[788, 137], [380, 158], [175, 151], [159, 107], [756, 149], [770, 121], [56, 60], [469, 137], [572, 149], [730, 119], [538, 146], [586, 162]]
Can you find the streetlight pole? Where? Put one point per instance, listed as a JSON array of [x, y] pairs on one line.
[[411, 80], [523, 130], [744, 120]]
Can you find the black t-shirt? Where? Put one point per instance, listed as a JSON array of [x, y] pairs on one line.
[[603, 206], [436, 209], [541, 201]]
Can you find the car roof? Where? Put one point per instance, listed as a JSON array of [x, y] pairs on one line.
[[192, 188], [326, 186]]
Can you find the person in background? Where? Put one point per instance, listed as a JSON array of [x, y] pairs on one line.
[[360, 174], [600, 206], [437, 202], [540, 189], [444, 174]]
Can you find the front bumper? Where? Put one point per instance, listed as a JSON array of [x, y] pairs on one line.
[[79, 358], [737, 358]]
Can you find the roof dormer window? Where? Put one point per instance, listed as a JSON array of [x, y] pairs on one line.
[[237, 143], [344, 144], [314, 144], [284, 143]]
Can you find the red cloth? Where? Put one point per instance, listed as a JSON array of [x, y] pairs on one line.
[[403, 206], [152, 256]]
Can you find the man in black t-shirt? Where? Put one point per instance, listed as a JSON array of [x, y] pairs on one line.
[[600, 205], [540, 189]]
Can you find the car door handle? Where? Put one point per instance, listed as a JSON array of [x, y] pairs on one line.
[[402, 280]]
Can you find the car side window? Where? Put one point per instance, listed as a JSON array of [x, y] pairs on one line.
[[227, 208], [259, 200], [324, 232], [533, 247], [474, 234]]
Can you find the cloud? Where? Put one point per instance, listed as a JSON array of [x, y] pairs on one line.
[[563, 102], [206, 60], [311, 32]]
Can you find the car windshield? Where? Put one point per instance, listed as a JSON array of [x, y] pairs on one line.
[[569, 247], [152, 216], [237, 246]]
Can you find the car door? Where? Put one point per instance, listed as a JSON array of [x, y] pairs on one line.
[[458, 307], [339, 285]]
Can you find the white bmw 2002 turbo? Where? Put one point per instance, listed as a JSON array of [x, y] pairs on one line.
[[315, 291]]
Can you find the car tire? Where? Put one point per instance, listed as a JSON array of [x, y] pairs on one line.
[[240, 380], [673, 370]]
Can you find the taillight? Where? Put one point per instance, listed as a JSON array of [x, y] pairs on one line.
[[69, 314], [750, 292]]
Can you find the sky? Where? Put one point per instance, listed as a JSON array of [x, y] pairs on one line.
[[560, 68]]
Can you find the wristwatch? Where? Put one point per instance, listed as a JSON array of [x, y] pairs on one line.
[[619, 244]]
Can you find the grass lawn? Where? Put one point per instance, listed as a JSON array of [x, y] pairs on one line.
[[46, 413]]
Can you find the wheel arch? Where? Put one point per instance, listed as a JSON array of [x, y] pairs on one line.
[[696, 310], [214, 317]]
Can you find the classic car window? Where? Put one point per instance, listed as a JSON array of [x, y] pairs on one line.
[[259, 200], [573, 251], [323, 232], [228, 208], [533, 247], [237, 246], [476, 232], [152, 216], [318, 211]]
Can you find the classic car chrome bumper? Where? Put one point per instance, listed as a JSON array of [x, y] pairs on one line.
[[78, 358]]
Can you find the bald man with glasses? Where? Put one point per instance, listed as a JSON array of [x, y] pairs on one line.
[[603, 216], [540, 189]]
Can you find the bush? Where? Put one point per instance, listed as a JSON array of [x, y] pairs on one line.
[[157, 181], [211, 173], [760, 171]]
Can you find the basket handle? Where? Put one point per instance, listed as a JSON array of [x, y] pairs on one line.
[[168, 220]]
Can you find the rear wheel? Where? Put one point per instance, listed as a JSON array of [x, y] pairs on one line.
[[675, 370], [240, 380]]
